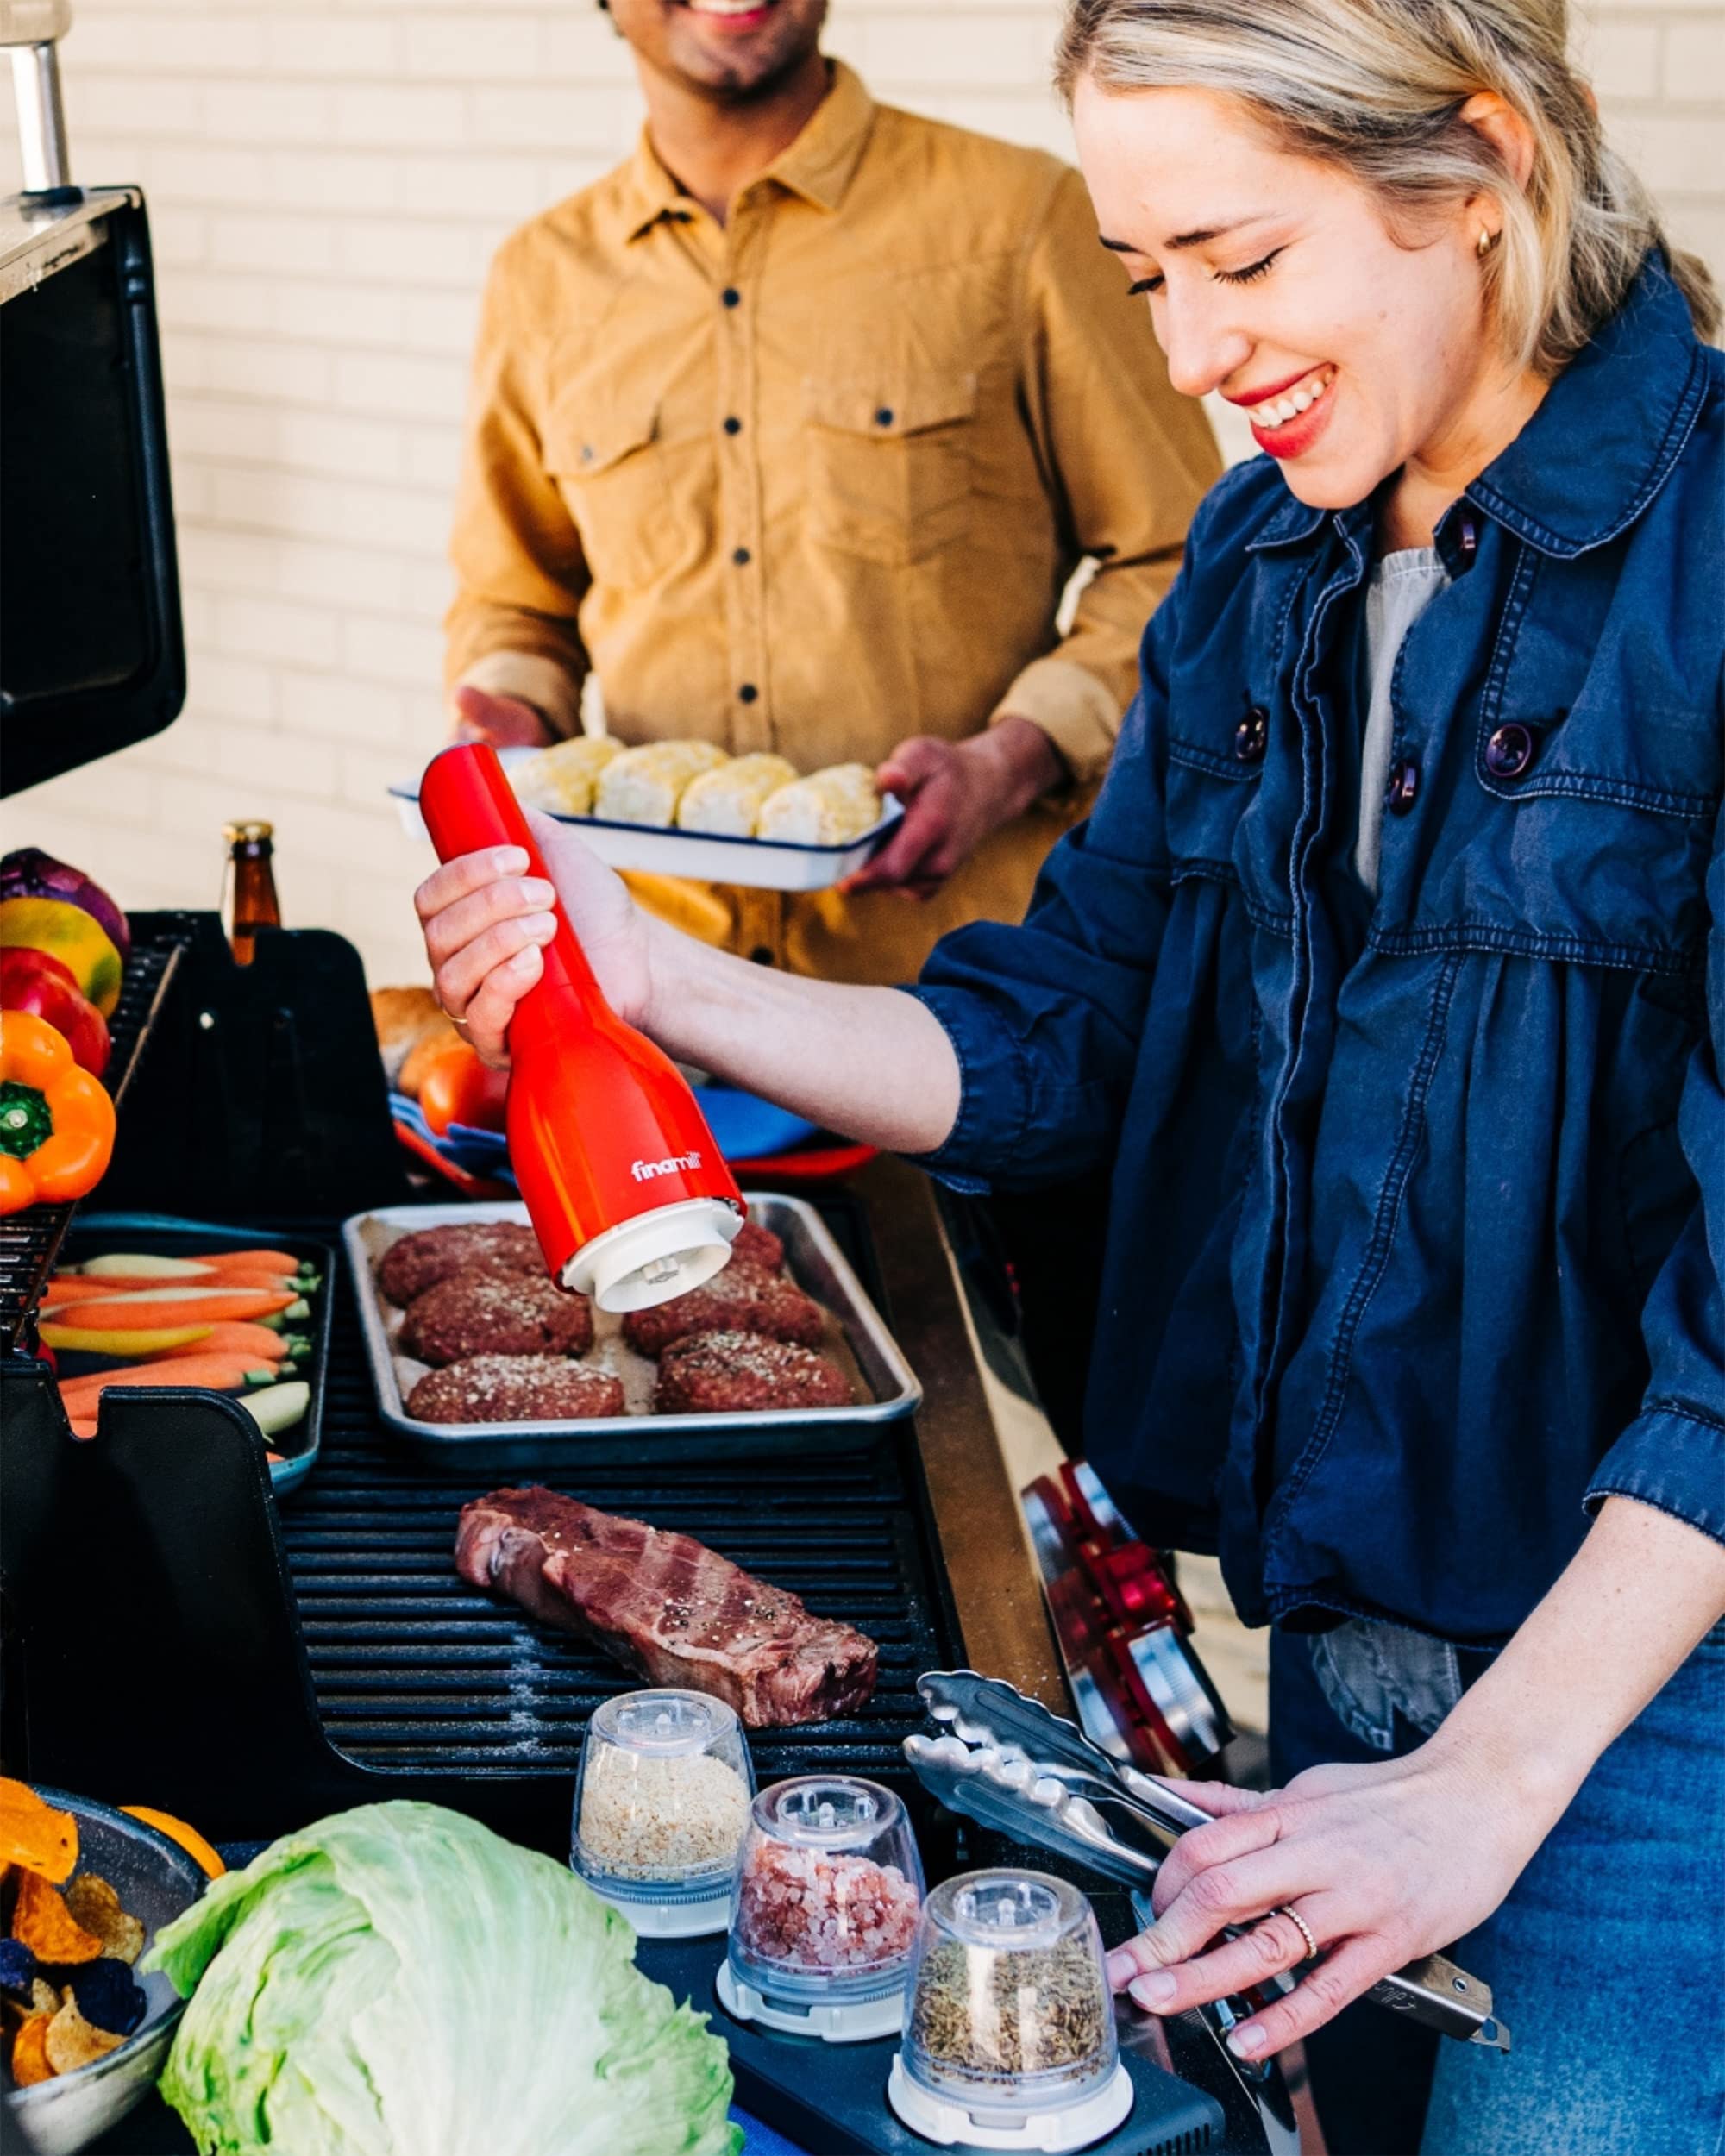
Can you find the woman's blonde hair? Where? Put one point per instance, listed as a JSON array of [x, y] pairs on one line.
[[1377, 87]]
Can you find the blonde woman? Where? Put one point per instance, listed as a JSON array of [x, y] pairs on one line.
[[1388, 977]]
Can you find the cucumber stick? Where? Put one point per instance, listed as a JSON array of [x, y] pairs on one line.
[[276, 1407]]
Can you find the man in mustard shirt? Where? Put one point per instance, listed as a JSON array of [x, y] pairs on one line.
[[793, 430]]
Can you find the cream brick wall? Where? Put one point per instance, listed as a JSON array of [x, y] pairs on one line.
[[327, 180]]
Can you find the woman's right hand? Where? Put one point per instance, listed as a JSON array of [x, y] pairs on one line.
[[486, 920]]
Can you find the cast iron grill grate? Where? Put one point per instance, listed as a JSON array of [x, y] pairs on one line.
[[416, 1671], [29, 1242]]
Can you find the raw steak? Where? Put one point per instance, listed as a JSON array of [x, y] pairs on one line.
[[665, 1605]]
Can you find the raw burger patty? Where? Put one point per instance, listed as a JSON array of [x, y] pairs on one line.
[[755, 1245], [740, 1299], [514, 1389], [414, 1263], [482, 1314], [740, 1373]]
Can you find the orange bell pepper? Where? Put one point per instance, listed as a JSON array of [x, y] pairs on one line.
[[56, 1121], [457, 1088]]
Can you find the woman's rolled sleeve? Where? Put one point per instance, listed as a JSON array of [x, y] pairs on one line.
[[1672, 1455]]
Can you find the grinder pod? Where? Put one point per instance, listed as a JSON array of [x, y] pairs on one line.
[[628, 1195]]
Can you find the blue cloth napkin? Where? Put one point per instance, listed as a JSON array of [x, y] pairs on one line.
[[744, 1126]]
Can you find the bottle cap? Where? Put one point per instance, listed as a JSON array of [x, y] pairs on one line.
[[250, 832]]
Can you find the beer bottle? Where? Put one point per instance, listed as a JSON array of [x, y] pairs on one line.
[[248, 899]]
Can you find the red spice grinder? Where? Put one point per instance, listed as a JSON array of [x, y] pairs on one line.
[[630, 1199]]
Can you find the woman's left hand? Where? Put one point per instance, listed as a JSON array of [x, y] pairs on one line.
[[1383, 1863]]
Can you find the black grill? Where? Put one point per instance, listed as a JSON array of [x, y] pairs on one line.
[[29, 1241], [416, 1671]]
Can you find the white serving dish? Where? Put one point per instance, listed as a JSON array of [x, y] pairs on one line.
[[764, 864]]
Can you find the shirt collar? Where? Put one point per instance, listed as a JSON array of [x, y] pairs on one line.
[[818, 165], [1631, 396], [1611, 426]]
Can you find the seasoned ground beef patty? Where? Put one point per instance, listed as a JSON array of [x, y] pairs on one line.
[[755, 1245], [740, 1373], [418, 1260], [740, 1299], [483, 1314], [514, 1389]]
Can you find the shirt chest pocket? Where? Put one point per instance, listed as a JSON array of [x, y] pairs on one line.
[[605, 455], [1208, 797], [889, 463]]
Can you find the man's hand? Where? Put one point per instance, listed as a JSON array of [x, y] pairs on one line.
[[504, 721], [955, 793]]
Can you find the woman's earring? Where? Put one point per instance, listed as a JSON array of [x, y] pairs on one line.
[[1486, 241]]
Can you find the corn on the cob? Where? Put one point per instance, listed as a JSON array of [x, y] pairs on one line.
[[562, 777], [644, 785], [829, 808], [728, 801]]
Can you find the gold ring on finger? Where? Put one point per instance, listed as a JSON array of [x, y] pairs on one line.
[[1304, 1929]]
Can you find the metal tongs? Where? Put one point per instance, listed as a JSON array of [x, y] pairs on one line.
[[1008, 1762]]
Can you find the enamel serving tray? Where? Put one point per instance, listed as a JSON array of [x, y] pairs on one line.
[[763, 864]]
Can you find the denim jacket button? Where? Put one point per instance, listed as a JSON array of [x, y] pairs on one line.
[[1251, 735], [1509, 751], [1403, 788]]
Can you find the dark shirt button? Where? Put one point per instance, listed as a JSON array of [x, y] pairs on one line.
[[1251, 735], [733, 426], [741, 557], [884, 416], [731, 297], [1509, 751], [1403, 788], [761, 955], [1467, 538], [749, 692]]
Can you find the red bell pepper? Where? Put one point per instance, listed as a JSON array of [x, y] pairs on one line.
[[37, 981]]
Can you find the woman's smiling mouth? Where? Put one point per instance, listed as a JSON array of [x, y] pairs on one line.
[[1288, 417]]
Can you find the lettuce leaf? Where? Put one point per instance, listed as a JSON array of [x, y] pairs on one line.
[[399, 1980]]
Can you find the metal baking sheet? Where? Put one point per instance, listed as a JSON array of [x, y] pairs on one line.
[[857, 1338], [763, 864]]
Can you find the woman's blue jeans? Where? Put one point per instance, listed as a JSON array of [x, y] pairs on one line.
[[1607, 1960]]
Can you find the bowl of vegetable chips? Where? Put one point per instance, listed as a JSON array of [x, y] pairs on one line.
[[83, 1891]]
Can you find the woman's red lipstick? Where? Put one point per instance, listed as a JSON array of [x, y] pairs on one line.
[[1295, 437]]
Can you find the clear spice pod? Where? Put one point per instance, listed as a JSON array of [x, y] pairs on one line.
[[1009, 2026], [823, 1910], [661, 1806]]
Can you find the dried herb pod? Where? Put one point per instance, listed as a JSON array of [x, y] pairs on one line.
[[1009, 1997]]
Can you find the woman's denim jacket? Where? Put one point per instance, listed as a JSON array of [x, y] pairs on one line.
[[1415, 1252]]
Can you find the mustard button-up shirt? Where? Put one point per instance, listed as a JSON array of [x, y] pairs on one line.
[[815, 480]]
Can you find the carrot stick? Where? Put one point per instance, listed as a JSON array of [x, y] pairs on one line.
[[149, 1265], [90, 1287], [210, 1373], [190, 1306], [231, 1338]]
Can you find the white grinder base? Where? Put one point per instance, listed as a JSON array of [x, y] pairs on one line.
[[655, 1255], [848, 2021], [954, 2126]]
